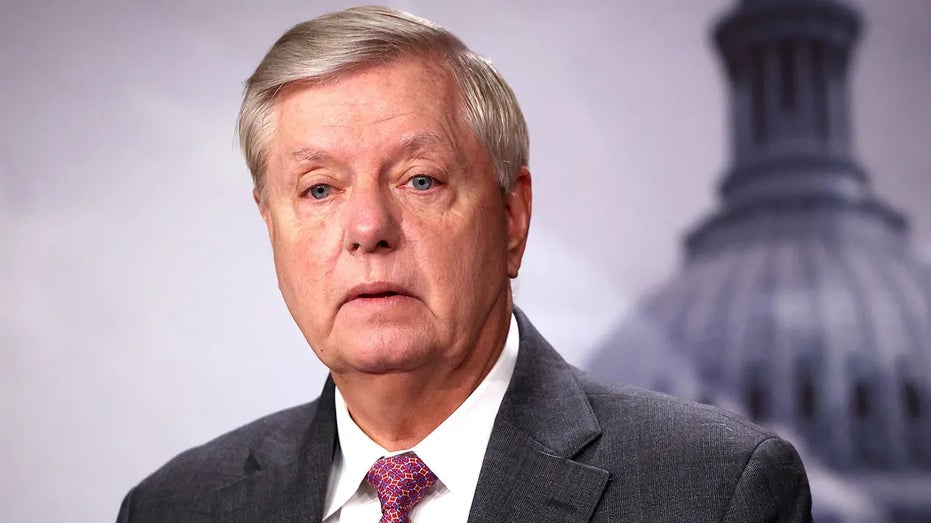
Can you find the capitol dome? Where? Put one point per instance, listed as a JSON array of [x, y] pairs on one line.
[[800, 301]]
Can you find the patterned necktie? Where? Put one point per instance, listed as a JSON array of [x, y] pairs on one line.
[[400, 482]]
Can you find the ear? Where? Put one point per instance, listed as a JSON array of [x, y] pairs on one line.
[[262, 204], [518, 203]]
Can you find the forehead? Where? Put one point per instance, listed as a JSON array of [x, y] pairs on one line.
[[405, 96]]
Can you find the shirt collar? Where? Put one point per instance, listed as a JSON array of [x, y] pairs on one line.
[[454, 451]]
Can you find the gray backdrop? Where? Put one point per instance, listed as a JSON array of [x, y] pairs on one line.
[[139, 313]]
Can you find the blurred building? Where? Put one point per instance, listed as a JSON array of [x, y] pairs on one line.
[[800, 302]]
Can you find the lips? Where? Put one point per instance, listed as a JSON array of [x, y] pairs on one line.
[[375, 290]]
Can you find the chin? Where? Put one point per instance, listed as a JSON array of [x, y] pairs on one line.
[[385, 350]]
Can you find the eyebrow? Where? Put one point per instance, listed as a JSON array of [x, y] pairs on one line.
[[309, 154], [416, 143]]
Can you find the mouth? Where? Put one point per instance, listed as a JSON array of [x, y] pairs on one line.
[[379, 291], [385, 294]]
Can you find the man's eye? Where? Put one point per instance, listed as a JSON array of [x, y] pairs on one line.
[[422, 182], [319, 191]]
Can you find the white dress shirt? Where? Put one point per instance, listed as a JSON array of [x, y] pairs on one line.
[[454, 451]]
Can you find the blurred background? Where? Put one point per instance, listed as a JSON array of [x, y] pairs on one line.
[[731, 204]]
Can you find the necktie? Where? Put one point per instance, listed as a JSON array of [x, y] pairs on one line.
[[400, 482]]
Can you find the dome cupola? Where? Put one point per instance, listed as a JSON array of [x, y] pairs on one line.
[[800, 301]]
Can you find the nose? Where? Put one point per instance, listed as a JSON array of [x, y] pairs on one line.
[[371, 225]]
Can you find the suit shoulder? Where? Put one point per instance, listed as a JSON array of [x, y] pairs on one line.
[[686, 456], [669, 417], [198, 471]]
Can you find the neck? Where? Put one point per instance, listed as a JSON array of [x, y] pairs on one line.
[[398, 410]]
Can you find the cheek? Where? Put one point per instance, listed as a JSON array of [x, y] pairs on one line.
[[305, 260], [462, 251]]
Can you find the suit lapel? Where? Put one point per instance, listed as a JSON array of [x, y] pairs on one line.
[[545, 420], [286, 479]]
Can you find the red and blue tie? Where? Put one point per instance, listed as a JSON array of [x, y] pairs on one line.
[[400, 482]]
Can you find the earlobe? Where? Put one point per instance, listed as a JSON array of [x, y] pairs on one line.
[[518, 206]]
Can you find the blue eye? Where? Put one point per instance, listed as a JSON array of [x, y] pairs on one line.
[[319, 191], [422, 182]]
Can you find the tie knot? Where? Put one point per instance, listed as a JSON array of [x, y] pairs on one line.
[[400, 482]]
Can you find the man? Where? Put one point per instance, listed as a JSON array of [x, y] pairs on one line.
[[390, 167]]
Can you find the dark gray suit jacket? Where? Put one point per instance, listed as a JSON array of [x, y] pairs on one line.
[[564, 448]]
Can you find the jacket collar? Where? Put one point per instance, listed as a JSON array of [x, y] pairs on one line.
[[544, 422], [287, 472]]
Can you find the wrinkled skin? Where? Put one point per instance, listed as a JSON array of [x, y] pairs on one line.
[[392, 240]]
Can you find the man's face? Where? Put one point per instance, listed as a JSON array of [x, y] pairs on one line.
[[392, 240]]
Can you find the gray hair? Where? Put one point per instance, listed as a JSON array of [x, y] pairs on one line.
[[322, 49]]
